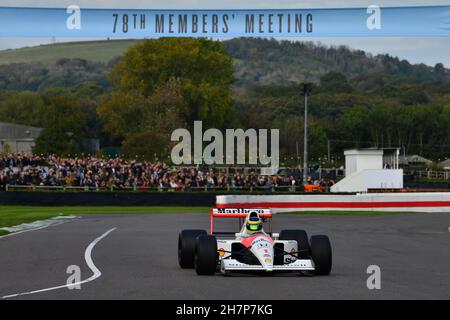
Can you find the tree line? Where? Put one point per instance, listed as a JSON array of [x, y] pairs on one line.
[[137, 100]]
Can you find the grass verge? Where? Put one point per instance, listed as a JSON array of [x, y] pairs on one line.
[[14, 215], [3, 232]]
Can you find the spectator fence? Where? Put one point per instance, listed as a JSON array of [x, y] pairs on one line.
[[256, 189]]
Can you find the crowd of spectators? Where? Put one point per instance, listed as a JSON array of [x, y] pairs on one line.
[[117, 173]]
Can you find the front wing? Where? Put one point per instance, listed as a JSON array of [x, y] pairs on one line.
[[227, 265]]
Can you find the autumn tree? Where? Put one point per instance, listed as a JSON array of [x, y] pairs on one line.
[[164, 84], [63, 127]]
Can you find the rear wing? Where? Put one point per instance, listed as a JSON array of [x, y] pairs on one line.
[[240, 213]]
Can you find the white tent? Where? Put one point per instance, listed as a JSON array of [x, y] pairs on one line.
[[415, 158], [444, 164]]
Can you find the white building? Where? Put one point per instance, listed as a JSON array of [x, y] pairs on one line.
[[20, 138], [365, 169], [17, 138]]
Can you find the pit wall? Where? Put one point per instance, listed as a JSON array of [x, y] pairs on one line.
[[394, 202]]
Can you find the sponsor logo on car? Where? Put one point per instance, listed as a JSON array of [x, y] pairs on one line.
[[261, 243], [289, 260], [240, 210]]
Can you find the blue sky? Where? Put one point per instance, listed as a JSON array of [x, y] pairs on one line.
[[430, 50]]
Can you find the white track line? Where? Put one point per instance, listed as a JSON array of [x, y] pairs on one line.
[[38, 228], [89, 262]]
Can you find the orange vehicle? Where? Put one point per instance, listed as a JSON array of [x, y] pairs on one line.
[[313, 188]]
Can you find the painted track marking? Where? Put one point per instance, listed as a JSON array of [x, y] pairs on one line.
[[37, 228], [87, 256]]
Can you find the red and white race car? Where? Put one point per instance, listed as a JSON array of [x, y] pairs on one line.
[[252, 249]]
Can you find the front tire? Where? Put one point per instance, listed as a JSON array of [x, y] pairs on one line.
[[206, 255], [186, 247], [321, 254], [301, 237]]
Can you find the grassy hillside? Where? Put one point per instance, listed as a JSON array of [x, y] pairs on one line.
[[96, 51], [261, 62], [258, 61]]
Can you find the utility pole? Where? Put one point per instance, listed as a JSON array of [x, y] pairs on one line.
[[328, 149], [306, 91]]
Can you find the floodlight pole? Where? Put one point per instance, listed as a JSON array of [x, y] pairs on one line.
[[306, 89], [305, 142]]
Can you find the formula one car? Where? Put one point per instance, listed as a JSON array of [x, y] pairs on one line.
[[252, 249]]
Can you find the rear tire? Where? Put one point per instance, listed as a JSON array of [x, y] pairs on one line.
[[186, 247], [302, 241], [206, 255], [321, 254]]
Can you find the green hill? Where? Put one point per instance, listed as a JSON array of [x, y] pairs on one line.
[[260, 62], [95, 51]]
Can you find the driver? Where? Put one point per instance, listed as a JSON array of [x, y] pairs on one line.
[[253, 225]]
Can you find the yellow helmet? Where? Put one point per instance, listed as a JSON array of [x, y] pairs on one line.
[[254, 223]]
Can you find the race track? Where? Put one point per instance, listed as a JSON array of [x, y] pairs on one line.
[[138, 260]]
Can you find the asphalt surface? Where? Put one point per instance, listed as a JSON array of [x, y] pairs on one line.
[[138, 260]]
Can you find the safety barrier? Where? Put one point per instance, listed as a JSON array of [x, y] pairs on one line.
[[204, 199], [400, 202]]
